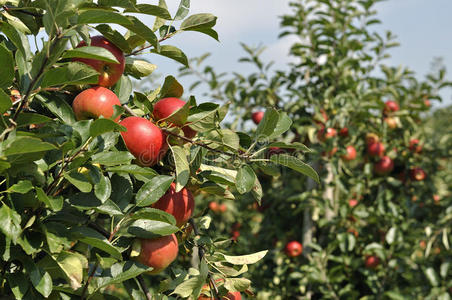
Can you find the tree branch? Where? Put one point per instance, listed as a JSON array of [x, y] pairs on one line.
[[144, 287]]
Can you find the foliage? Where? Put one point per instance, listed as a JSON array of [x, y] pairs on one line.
[[339, 80], [73, 199]]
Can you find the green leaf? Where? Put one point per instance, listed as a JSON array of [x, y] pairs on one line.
[[5, 102], [42, 281], [143, 31], [70, 74], [25, 144], [284, 123], [102, 189], [391, 235], [296, 165], [25, 119], [112, 158], [18, 284], [149, 213], [6, 67], [185, 289], [19, 39], [55, 204], [133, 169], [21, 187], [431, 276], [59, 108], [139, 68], [153, 10], [115, 37], [224, 137], [159, 22], [183, 10], [394, 295], [95, 239], [79, 180], [91, 52], [268, 123], [296, 145], [153, 190], [198, 21], [101, 16], [123, 89], [171, 88], [149, 229], [173, 53], [72, 266], [245, 259], [109, 208], [245, 179], [182, 167], [237, 284], [101, 126], [120, 272], [202, 112], [10, 223]]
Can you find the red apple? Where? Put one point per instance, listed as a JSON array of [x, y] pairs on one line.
[[353, 231], [109, 72], [384, 166], [228, 296], [427, 103], [144, 140], [415, 146], [323, 134], [293, 249], [417, 174], [158, 253], [372, 261], [352, 202], [391, 122], [351, 153], [179, 204], [436, 198], [372, 138], [235, 235], [164, 108], [257, 117], [376, 149], [213, 206], [223, 208], [391, 106], [343, 132], [95, 102]]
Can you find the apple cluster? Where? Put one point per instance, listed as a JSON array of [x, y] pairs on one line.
[[145, 140]]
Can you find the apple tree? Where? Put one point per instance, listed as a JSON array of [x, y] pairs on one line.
[[378, 226], [99, 183]]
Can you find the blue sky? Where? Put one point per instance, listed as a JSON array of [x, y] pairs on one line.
[[423, 29]]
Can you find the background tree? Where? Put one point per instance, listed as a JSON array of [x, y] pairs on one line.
[[378, 225]]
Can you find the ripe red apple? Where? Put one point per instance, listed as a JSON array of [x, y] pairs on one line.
[[213, 206], [95, 102], [352, 202], [158, 253], [417, 174], [391, 106], [109, 72], [293, 249], [372, 138], [257, 117], [235, 235], [427, 103], [165, 107], [179, 204], [343, 132], [351, 153], [144, 140], [222, 208], [391, 122], [375, 149], [415, 146], [436, 198], [372, 261], [384, 166], [323, 134]]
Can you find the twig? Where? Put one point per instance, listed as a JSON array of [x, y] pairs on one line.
[[149, 46], [201, 253], [90, 277], [144, 287]]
